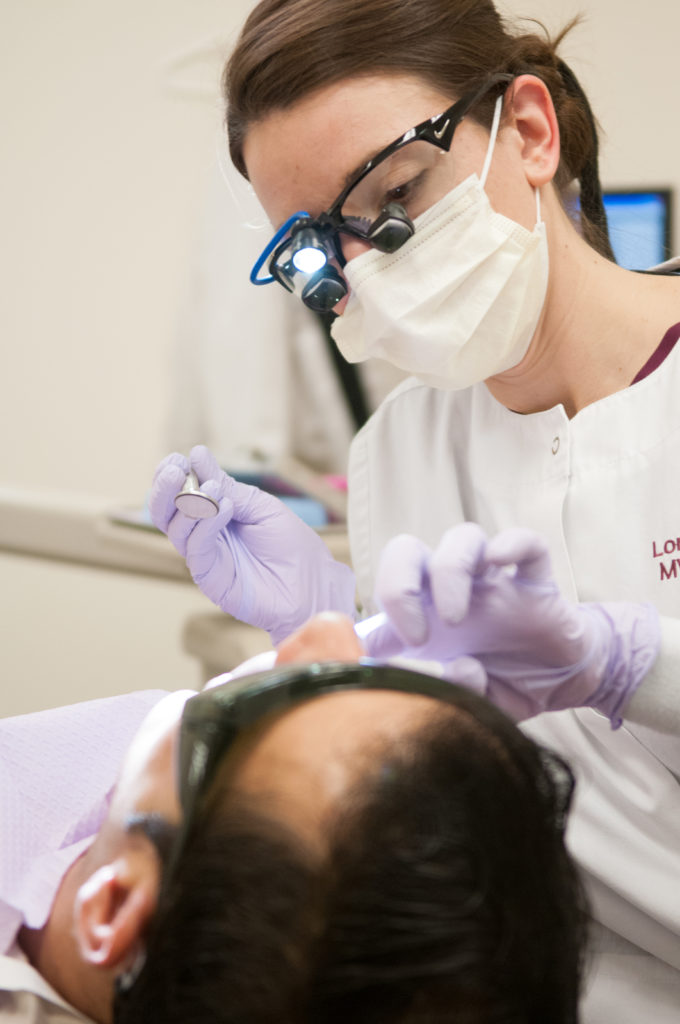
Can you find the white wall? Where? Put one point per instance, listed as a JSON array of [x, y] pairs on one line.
[[109, 135], [625, 55], [106, 161], [108, 142]]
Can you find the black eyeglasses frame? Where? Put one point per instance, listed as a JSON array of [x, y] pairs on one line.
[[437, 130]]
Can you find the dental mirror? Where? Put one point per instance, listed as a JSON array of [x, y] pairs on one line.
[[193, 502]]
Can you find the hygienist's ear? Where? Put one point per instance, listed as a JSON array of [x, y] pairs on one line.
[[530, 110], [113, 908]]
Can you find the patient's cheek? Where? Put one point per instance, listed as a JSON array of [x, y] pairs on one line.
[[327, 637]]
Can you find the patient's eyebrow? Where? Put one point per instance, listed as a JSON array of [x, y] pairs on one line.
[[157, 829]]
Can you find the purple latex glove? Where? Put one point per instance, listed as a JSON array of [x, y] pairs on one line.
[[495, 600], [255, 559]]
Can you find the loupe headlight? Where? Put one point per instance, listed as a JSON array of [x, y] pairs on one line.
[[308, 253], [299, 255], [302, 265], [298, 258]]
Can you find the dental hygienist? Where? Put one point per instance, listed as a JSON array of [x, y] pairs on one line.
[[422, 156]]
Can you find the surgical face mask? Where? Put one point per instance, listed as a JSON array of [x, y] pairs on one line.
[[460, 301]]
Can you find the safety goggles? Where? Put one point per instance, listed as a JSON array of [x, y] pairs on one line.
[[214, 719], [378, 206]]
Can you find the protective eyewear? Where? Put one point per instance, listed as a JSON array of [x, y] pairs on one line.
[[213, 720], [378, 205]]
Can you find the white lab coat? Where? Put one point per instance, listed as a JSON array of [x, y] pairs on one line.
[[603, 488]]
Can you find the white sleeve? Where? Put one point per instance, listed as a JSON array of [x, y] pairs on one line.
[[656, 702]]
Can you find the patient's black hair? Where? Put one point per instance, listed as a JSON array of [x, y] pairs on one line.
[[446, 895]]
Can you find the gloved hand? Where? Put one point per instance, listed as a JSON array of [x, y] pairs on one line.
[[496, 601], [255, 559]]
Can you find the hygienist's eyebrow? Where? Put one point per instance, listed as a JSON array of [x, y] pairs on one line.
[[356, 171], [351, 175], [347, 180]]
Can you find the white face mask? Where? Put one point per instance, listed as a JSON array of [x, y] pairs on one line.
[[459, 301]]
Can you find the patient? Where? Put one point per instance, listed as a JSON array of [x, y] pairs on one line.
[[330, 842]]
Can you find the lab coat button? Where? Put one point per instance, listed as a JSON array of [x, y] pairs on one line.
[[555, 445]]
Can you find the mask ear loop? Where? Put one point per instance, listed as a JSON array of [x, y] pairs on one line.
[[492, 140], [489, 153]]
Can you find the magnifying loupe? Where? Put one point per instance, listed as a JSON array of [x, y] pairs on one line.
[[193, 502]]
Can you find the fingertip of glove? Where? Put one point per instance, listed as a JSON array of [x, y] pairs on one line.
[[226, 510], [225, 513], [516, 544], [170, 476], [173, 459], [199, 453], [451, 592], [168, 482], [405, 545], [213, 489], [204, 463], [468, 672]]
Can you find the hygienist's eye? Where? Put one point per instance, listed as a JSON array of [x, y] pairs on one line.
[[407, 194], [408, 177]]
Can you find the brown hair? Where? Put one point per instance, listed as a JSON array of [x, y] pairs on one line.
[[290, 48]]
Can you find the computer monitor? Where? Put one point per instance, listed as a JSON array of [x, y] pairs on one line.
[[640, 222]]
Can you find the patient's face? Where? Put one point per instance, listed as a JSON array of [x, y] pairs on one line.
[[147, 780]]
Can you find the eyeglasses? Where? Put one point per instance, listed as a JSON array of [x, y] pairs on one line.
[[378, 205], [214, 719]]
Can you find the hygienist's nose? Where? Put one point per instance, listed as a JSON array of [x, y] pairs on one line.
[[338, 309], [353, 247]]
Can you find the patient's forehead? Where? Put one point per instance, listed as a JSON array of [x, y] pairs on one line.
[[305, 760]]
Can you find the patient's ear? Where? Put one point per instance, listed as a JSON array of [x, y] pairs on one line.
[[114, 906]]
